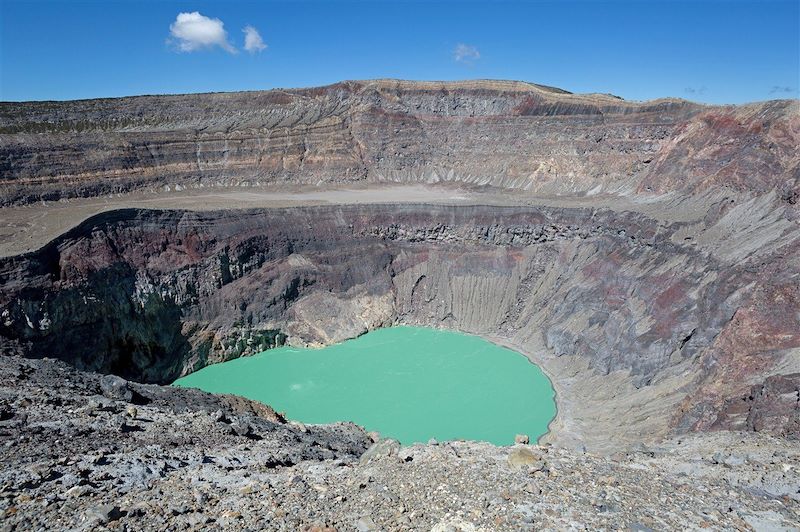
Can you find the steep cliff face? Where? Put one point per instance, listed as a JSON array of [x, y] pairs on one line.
[[505, 134], [645, 327]]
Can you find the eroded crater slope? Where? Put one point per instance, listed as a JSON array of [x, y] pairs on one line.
[[650, 263], [644, 329]]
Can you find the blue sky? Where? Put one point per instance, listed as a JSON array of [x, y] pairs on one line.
[[711, 51]]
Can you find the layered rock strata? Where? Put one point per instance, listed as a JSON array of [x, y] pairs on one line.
[[506, 134], [646, 328]]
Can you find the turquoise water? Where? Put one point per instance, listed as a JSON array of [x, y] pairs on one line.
[[408, 383]]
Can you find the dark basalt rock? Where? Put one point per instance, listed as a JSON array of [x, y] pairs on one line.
[[115, 388]]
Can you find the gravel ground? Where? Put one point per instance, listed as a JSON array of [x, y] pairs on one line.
[[82, 451]]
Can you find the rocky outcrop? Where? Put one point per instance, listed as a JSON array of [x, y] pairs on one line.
[[506, 134], [773, 403], [665, 326]]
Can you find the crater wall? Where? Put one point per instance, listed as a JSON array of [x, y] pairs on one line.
[[511, 135], [646, 328]]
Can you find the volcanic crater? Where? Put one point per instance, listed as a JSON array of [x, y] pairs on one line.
[[644, 255]]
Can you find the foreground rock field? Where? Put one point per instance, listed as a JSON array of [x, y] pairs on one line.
[[81, 451]]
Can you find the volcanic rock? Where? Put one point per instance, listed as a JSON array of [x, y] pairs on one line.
[[644, 254]]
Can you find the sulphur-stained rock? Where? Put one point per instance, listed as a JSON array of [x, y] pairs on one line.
[[521, 438], [323, 318]]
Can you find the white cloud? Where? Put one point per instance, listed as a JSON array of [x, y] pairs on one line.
[[777, 89], [252, 40], [194, 31], [464, 53], [696, 90]]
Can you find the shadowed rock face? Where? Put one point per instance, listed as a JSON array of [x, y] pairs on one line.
[[646, 328], [505, 134]]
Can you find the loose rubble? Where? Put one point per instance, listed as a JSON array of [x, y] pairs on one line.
[[162, 458]]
